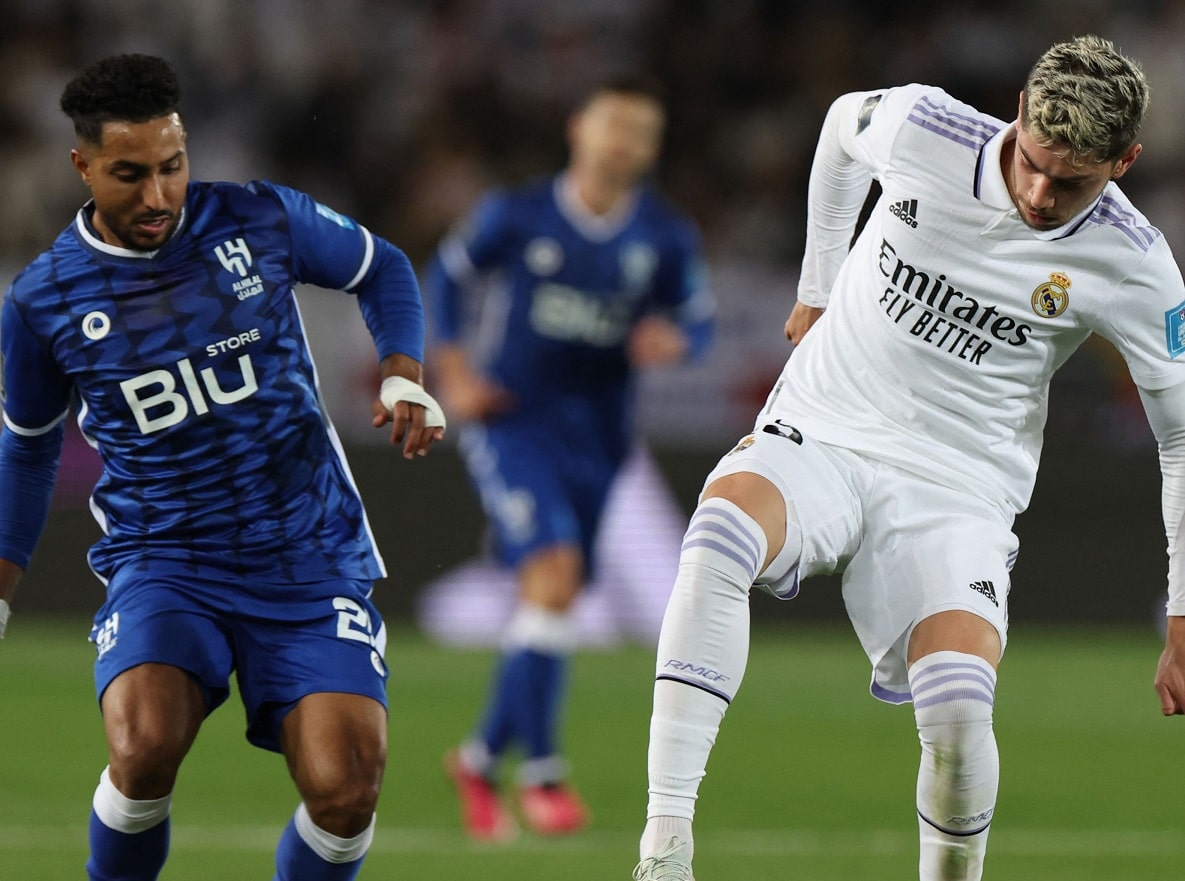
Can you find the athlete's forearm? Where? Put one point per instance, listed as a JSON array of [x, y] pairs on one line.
[[28, 467], [1165, 409], [389, 298], [836, 192]]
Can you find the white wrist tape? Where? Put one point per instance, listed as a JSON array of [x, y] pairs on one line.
[[399, 388], [4, 613]]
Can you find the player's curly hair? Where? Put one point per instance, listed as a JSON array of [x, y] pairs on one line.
[[1085, 96], [121, 88]]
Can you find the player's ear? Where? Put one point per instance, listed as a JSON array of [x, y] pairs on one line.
[[1125, 161], [81, 164]]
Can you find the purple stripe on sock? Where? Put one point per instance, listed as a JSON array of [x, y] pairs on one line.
[[923, 683], [954, 694], [698, 528], [749, 565], [742, 530]]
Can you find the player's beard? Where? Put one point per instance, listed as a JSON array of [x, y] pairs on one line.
[[137, 238]]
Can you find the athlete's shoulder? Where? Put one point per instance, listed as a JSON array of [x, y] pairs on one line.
[[504, 209], [1115, 214], [253, 197], [53, 267], [932, 110]]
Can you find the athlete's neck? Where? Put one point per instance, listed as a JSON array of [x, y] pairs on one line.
[[598, 195]]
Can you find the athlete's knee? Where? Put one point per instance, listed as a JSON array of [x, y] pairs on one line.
[[723, 539], [955, 630], [551, 578], [761, 501], [144, 762], [953, 697], [151, 715], [340, 795]]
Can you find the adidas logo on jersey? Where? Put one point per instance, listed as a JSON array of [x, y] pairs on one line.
[[987, 589], [907, 210]]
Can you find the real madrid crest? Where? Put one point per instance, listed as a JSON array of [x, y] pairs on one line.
[[1051, 298], [745, 443]]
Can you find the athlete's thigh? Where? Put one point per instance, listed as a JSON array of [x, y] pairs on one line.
[[324, 637], [928, 549], [518, 473], [820, 486], [153, 617], [330, 738]]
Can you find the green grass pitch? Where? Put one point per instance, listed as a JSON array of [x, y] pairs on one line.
[[811, 778]]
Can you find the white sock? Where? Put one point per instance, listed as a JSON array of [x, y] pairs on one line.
[[953, 694], [330, 847], [116, 811], [702, 652], [660, 830], [542, 630]]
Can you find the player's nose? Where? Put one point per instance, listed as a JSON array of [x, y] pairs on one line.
[[1041, 193], [152, 193]]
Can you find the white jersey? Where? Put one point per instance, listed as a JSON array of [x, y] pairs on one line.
[[945, 323]]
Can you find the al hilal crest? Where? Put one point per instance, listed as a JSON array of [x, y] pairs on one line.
[[1050, 298]]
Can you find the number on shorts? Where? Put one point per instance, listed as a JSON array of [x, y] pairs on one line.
[[353, 621]]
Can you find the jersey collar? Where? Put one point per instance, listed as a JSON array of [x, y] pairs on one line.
[[992, 189], [595, 227], [86, 232]]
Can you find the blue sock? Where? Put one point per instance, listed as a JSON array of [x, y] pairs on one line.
[[119, 856], [539, 708], [506, 707], [297, 861]]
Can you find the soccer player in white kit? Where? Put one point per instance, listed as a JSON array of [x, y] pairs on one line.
[[903, 435]]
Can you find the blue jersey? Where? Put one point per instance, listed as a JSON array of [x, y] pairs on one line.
[[194, 382], [566, 289]]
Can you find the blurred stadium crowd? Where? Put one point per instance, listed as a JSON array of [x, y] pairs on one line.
[[400, 112]]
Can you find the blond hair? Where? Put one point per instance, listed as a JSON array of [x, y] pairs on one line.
[[1085, 96]]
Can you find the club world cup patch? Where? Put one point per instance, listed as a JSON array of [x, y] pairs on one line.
[[1050, 298], [1174, 329]]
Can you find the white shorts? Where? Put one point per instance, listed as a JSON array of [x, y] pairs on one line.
[[907, 548]]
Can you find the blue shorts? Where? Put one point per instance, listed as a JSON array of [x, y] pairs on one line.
[[537, 493], [283, 642]]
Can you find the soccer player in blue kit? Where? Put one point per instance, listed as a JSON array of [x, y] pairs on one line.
[[591, 275], [234, 537]]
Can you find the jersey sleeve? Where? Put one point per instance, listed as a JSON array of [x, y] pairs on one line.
[[36, 400], [34, 391], [874, 119], [331, 250], [1146, 320], [477, 245], [855, 145]]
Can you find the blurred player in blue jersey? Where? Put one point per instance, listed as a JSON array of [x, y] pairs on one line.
[[588, 276], [233, 535]]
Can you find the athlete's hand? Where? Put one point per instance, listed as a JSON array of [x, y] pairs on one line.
[[656, 342], [1170, 672], [802, 318], [416, 419]]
